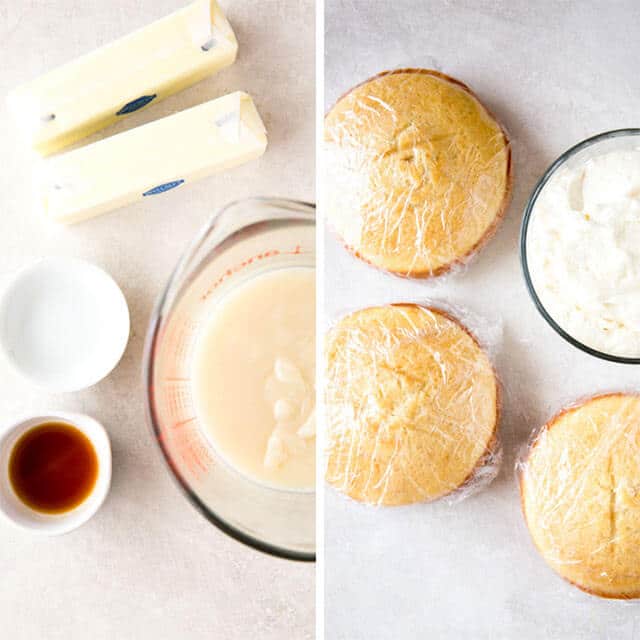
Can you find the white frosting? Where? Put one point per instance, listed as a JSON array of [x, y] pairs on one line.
[[254, 377], [293, 410], [583, 250]]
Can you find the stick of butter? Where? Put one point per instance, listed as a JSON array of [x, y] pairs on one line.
[[152, 159], [96, 90]]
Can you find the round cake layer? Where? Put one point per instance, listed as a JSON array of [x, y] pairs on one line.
[[418, 173], [412, 405], [580, 486]]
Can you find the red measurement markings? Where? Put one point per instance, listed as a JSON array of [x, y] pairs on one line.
[[186, 450], [182, 423], [271, 253], [179, 402]]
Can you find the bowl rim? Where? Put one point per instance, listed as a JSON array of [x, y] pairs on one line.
[[546, 176], [307, 209]]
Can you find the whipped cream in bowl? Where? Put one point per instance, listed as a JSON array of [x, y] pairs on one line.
[[580, 246]]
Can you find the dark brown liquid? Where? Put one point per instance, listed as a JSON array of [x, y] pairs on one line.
[[53, 467]]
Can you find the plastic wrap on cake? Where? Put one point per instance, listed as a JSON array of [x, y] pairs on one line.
[[580, 487], [412, 406], [417, 172]]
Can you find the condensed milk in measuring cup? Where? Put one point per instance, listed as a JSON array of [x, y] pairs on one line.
[[253, 378]]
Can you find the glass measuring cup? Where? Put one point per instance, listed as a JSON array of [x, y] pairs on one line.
[[243, 240]]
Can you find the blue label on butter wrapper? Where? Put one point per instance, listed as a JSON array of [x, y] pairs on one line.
[[161, 188], [136, 104]]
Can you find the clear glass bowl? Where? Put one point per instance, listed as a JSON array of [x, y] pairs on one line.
[[242, 240], [602, 143]]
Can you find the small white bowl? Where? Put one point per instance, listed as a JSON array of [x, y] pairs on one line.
[[54, 524], [64, 324]]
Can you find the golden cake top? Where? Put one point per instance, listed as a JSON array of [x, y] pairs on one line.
[[580, 486], [411, 406], [417, 172]]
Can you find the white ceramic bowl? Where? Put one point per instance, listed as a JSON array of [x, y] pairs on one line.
[[64, 324], [53, 524]]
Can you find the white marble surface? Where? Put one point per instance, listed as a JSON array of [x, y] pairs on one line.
[[148, 565], [554, 73]]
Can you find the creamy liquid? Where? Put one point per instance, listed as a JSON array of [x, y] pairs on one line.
[[583, 250], [254, 376]]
